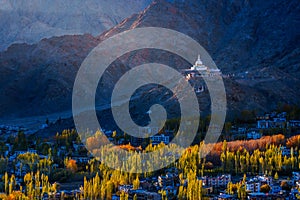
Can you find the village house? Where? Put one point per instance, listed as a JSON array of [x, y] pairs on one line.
[[157, 139], [285, 151], [293, 123], [272, 120], [81, 159], [219, 181], [254, 135], [254, 184], [167, 180], [275, 188], [125, 188]]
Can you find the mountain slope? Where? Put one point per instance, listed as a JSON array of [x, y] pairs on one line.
[[257, 42], [239, 34], [32, 20]]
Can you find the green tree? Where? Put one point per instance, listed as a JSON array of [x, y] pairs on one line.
[[30, 159], [6, 183], [136, 183], [135, 197], [20, 142], [276, 177]]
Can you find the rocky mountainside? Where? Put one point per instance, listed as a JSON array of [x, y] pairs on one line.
[[32, 20], [256, 43], [239, 34]]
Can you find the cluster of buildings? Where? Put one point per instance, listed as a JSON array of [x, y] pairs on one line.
[[253, 134], [149, 187], [159, 138], [21, 169], [254, 184], [276, 120], [169, 181], [245, 133], [217, 182], [155, 137], [277, 190], [268, 121]]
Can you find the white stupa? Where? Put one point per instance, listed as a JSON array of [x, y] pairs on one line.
[[199, 66]]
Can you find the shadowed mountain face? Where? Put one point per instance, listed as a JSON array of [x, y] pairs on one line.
[[32, 20], [256, 43]]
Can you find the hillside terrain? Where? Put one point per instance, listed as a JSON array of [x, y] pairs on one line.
[[31, 20], [255, 43]]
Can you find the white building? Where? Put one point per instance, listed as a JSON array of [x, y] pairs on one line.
[[255, 183], [219, 181], [253, 186], [272, 120], [253, 135], [81, 159], [157, 139], [293, 123], [274, 123], [201, 70], [199, 66], [285, 151]]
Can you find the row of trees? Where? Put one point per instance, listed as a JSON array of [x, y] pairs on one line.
[[36, 184], [106, 182], [33, 161], [263, 157], [293, 142], [239, 157], [268, 161], [193, 189]]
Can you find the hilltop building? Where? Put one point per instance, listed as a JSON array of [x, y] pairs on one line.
[[197, 72], [201, 70]]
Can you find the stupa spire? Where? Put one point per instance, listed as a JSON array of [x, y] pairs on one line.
[[199, 61]]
